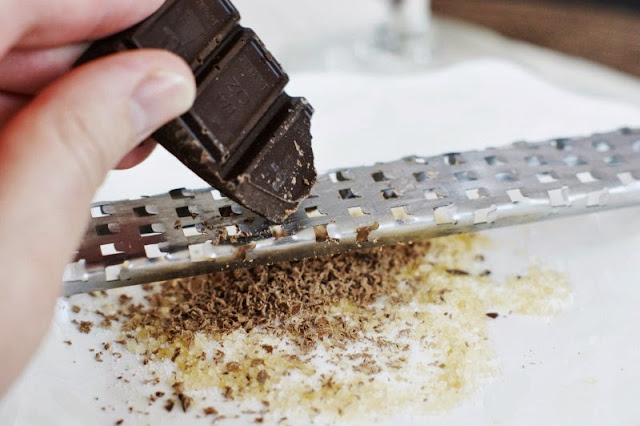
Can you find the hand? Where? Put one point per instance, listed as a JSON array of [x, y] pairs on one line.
[[61, 131]]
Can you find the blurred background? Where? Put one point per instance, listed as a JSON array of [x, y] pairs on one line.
[[591, 46], [604, 31]]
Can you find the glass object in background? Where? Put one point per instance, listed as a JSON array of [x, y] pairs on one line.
[[406, 37], [402, 42]]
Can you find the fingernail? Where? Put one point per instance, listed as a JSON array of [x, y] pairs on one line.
[[159, 98]]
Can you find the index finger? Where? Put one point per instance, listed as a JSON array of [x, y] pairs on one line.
[[46, 23]]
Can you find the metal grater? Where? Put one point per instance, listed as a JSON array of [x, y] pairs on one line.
[[186, 233]]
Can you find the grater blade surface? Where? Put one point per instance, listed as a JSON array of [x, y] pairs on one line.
[[186, 232]]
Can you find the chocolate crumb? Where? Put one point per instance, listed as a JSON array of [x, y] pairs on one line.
[[262, 377], [159, 394], [169, 405], [210, 411], [85, 327], [75, 309], [98, 356], [68, 342], [176, 354], [493, 315], [232, 366], [119, 422], [457, 272], [178, 387], [228, 392], [185, 401], [123, 299]]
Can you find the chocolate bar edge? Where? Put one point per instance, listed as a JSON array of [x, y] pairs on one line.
[[177, 137]]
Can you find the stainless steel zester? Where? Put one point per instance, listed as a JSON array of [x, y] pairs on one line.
[[186, 232]]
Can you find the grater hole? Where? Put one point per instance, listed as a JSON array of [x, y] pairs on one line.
[[559, 197], [416, 160], [278, 231], [546, 177], [626, 178], [108, 229], [400, 214], [379, 176], [613, 160], [152, 251], [321, 233], [433, 194], [586, 177], [494, 160], [467, 176], [535, 161], [389, 193], [181, 193], [481, 216], [232, 230], [103, 210], [477, 193], [421, 177], [112, 273], [574, 161], [516, 196], [453, 159], [151, 230], [188, 211], [635, 145], [356, 212], [506, 176], [145, 211], [601, 146], [109, 249], [217, 195], [561, 144], [347, 194], [340, 176], [313, 211], [362, 234], [597, 198], [191, 231], [443, 215], [230, 211]]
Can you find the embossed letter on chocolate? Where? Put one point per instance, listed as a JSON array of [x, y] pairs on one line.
[[244, 135]]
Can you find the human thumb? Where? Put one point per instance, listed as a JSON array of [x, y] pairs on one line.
[[53, 156]]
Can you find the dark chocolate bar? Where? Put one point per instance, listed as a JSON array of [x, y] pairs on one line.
[[244, 135]]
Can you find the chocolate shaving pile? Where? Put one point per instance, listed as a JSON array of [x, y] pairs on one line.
[[270, 296], [417, 313]]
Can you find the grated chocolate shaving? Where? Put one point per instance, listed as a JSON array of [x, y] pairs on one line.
[[210, 411], [269, 296], [85, 327]]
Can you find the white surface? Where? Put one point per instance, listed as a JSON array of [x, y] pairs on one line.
[[581, 368], [308, 35]]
